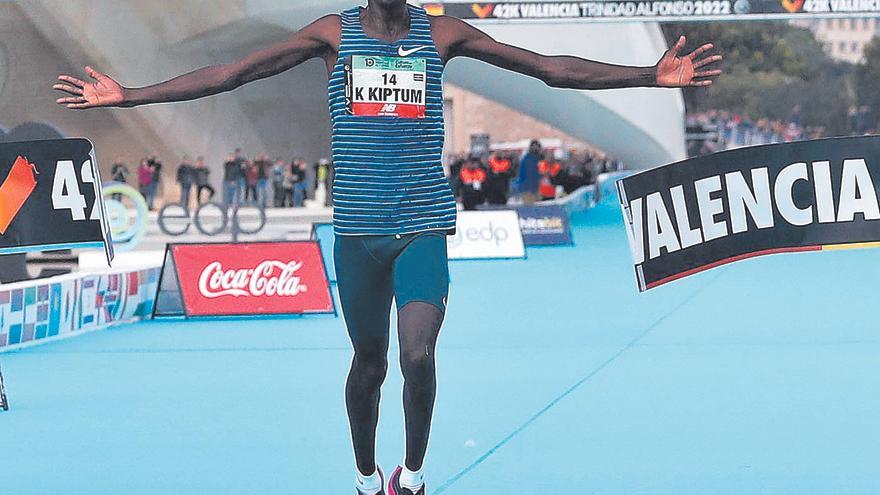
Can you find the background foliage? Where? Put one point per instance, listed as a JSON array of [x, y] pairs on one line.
[[772, 66]]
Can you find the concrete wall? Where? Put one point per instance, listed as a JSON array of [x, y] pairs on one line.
[[32, 63], [472, 113]]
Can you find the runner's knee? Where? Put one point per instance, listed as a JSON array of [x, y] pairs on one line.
[[370, 367], [417, 364]]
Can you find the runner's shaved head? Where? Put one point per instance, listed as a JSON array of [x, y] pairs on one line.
[[387, 3]]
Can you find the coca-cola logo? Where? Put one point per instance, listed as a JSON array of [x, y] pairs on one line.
[[269, 278]]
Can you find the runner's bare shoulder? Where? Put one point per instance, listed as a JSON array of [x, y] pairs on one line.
[[447, 32], [327, 29]]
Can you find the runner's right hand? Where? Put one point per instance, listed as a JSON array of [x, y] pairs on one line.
[[103, 92]]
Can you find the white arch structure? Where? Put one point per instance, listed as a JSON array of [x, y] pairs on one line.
[[141, 42]]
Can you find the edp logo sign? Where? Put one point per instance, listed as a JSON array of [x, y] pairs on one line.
[[487, 235]]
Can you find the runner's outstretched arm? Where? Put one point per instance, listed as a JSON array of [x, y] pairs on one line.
[[314, 40], [673, 70]]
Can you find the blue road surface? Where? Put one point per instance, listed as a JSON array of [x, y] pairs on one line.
[[555, 376]]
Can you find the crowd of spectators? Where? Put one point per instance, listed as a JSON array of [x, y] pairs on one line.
[[148, 176], [262, 180], [278, 183], [493, 178], [534, 174], [735, 130]]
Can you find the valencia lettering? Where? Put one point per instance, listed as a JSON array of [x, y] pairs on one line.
[[732, 203]]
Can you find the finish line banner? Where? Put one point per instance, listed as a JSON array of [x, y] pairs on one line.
[[653, 10], [697, 214], [50, 197]]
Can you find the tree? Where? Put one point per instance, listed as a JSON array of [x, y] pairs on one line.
[[868, 76], [769, 68]]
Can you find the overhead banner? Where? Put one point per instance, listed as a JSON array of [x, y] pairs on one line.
[[244, 279], [544, 225], [652, 10], [486, 234], [697, 214], [50, 197]]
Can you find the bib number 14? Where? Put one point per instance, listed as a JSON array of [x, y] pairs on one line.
[[66, 194]]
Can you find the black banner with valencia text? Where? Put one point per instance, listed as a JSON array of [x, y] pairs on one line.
[[696, 214]]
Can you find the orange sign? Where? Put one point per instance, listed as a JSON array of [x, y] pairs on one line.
[[484, 11], [793, 6], [15, 191], [434, 9]]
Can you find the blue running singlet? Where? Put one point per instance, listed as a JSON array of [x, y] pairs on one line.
[[386, 108]]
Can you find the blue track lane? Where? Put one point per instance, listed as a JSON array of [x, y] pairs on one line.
[[556, 376]]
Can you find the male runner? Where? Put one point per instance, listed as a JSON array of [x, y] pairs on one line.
[[393, 206]]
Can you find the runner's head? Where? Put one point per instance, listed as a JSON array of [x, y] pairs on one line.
[[535, 147], [387, 3]]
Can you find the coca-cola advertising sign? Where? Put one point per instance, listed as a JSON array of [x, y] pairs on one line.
[[264, 278]]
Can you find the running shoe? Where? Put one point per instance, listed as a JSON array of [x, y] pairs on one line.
[[394, 487], [381, 483]]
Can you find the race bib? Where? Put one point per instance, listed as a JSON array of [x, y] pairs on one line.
[[386, 87]]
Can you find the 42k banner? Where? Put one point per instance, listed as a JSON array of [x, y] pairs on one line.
[[652, 10], [50, 197], [697, 214]]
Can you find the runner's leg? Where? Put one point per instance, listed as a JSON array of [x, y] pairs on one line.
[[421, 285], [365, 293]]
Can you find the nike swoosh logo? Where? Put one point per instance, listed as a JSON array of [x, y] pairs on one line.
[[405, 53]]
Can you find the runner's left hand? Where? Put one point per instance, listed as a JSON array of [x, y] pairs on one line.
[[674, 71]]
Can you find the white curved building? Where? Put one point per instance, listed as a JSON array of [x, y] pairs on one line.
[[143, 42]]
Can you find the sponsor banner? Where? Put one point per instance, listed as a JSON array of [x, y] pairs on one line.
[[544, 225], [50, 197], [261, 278], [486, 235], [701, 213], [653, 10], [40, 310]]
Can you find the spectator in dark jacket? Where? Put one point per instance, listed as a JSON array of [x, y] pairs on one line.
[[202, 173], [185, 178], [156, 167], [473, 180], [500, 171], [119, 173], [278, 171], [231, 177], [529, 178]]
